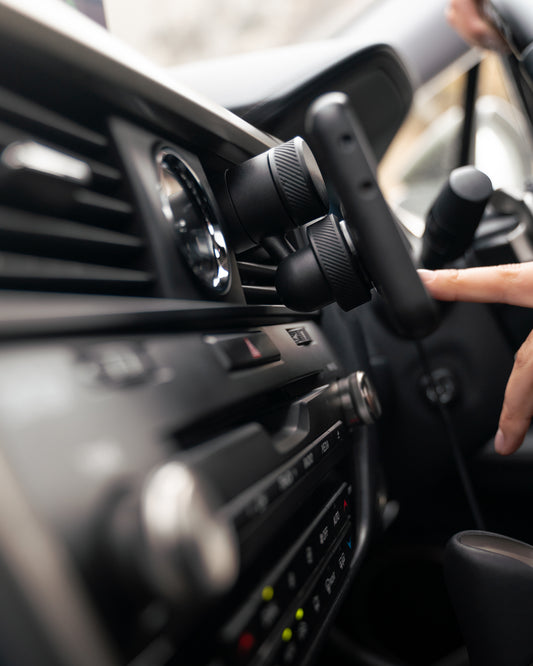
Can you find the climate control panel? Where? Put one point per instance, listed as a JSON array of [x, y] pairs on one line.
[[278, 620], [212, 511]]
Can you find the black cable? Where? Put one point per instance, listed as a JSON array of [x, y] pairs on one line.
[[457, 452]]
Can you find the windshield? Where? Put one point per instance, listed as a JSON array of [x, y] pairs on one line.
[[171, 32]]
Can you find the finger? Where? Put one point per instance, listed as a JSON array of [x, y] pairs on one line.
[[509, 283], [466, 18], [517, 408]]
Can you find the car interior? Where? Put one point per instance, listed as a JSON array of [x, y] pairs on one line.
[[235, 429]]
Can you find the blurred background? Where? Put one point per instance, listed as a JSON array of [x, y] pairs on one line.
[[172, 32]]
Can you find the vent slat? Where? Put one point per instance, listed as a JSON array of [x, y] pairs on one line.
[[260, 295], [102, 173], [36, 229], [68, 222], [100, 202], [35, 118], [258, 276], [251, 271], [26, 268]]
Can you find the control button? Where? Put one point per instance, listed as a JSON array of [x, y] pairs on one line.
[[287, 478], [245, 351], [308, 460], [300, 335], [299, 615], [325, 446], [316, 604], [330, 581], [257, 506], [185, 559], [302, 631], [286, 635], [268, 615], [344, 501], [245, 644], [292, 581], [119, 364], [309, 556], [267, 593], [336, 517], [342, 560], [323, 535], [359, 399]]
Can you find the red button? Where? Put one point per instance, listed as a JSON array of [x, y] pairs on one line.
[[246, 642]]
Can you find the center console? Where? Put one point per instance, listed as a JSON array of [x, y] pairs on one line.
[[205, 483]]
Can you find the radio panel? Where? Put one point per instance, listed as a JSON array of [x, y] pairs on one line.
[[227, 549]]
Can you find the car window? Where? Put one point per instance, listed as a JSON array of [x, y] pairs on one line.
[[92, 8], [427, 147]]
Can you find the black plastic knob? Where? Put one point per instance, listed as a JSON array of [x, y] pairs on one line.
[[324, 271], [187, 550], [454, 217], [276, 191], [359, 399], [490, 580]]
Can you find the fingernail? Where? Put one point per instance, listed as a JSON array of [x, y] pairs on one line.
[[499, 442], [425, 275]]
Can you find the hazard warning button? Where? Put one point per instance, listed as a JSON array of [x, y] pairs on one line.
[[244, 350]]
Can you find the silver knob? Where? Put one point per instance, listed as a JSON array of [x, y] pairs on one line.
[[192, 552], [359, 399]]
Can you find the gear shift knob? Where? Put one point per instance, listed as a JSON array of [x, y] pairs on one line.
[[490, 580], [454, 217]]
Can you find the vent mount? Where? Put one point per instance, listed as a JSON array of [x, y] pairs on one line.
[[67, 218]]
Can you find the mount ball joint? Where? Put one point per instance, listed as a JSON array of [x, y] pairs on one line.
[[324, 271], [275, 192]]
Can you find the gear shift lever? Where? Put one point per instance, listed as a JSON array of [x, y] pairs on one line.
[[490, 580], [454, 217]]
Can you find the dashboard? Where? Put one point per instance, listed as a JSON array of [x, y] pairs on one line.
[[189, 469], [188, 475]]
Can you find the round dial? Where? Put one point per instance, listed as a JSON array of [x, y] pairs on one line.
[[196, 230]]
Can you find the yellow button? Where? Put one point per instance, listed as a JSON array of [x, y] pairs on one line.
[[267, 593], [299, 615], [286, 635]]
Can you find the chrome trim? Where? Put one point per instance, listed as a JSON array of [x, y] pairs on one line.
[[195, 249], [519, 238], [347, 236], [33, 156], [520, 243], [192, 551]]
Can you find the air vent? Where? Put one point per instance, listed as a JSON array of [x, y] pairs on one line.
[[258, 272], [67, 221]]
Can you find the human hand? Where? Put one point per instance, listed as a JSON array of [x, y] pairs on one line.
[[511, 284], [466, 16]]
